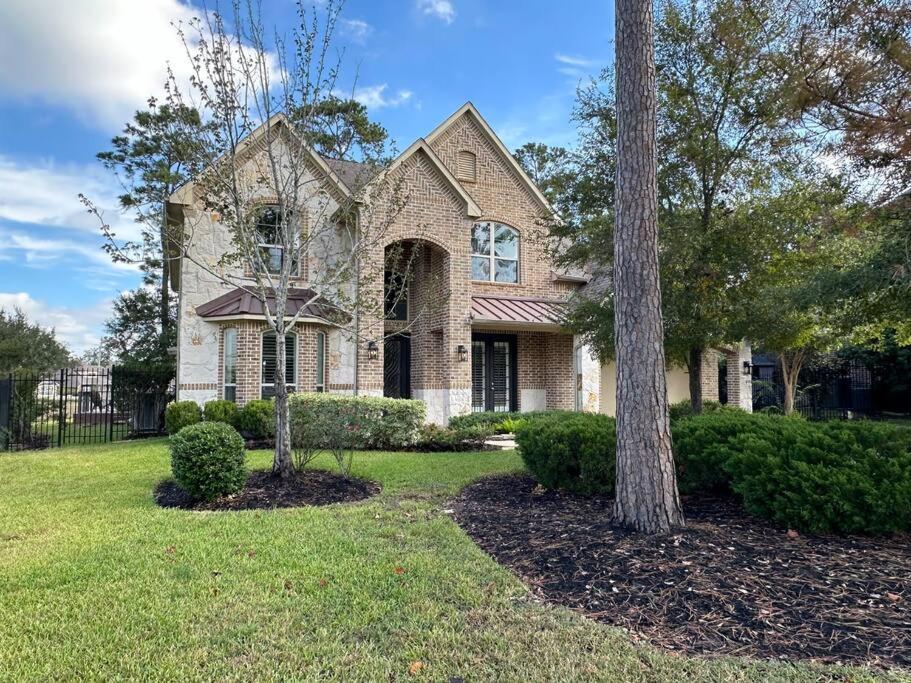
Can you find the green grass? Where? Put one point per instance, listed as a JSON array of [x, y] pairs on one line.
[[96, 582]]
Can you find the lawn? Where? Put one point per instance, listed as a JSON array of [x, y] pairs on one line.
[[96, 582]]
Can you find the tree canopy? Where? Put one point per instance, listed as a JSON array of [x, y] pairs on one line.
[[27, 347]]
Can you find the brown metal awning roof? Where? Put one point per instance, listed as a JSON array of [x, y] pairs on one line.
[[517, 310], [239, 303]]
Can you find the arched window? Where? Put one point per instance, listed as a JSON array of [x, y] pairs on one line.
[[230, 364], [494, 253], [270, 361]]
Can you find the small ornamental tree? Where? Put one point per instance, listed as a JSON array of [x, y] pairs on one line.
[[264, 103]]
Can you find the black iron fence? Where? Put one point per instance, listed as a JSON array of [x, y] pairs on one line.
[[82, 405], [831, 389]]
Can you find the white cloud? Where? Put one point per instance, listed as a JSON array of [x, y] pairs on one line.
[[101, 58], [78, 328], [46, 194], [375, 97], [356, 29], [44, 252], [441, 9], [571, 60]]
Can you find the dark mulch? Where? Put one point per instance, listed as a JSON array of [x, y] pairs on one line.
[[264, 491], [728, 584]]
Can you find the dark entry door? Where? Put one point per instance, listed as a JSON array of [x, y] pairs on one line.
[[493, 373], [397, 367]]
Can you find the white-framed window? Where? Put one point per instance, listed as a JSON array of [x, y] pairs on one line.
[[320, 383], [270, 244], [494, 253], [229, 342], [269, 363]]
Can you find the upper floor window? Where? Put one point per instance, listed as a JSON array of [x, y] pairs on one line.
[[270, 242], [270, 362], [494, 253]]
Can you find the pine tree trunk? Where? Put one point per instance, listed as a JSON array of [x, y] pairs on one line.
[[647, 499], [695, 367], [282, 464]]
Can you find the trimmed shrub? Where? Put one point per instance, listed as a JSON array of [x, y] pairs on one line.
[[220, 411], [180, 414], [207, 460], [683, 409], [842, 477], [822, 478], [256, 420], [436, 439], [500, 423], [572, 451], [325, 421]]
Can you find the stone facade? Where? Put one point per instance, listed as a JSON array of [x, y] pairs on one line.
[[459, 175]]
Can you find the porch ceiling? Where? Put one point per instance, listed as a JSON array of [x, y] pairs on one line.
[[517, 311]]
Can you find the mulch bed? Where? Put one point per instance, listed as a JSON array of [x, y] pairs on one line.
[[729, 584], [264, 491]]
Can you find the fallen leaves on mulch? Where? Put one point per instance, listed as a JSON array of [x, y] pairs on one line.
[[727, 584], [264, 491]]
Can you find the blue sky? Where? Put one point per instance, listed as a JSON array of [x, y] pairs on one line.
[[72, 73]]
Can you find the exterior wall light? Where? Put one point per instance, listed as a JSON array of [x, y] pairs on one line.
[[373, 351], [747, 368], [463, 352]]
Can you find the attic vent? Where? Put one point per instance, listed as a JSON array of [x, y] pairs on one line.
[[467, 166]]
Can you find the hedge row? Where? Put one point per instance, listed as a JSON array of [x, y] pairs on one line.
[[332, 422], [843, 477], [256, 420]]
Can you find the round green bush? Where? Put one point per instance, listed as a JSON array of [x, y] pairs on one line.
[[572, 451], [220, 411], [180, 414], [256, 420], [208, 460], [684, 409]]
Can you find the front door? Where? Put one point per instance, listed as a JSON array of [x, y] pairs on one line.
[[397, 367], [493, 373]]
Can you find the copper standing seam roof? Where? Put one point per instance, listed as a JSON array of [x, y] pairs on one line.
[[239, 302], [522, 310]]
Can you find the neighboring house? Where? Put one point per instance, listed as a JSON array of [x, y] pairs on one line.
[[492, 340]]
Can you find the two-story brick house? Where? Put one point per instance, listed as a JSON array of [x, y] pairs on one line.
[[487, 336], [492, 343]]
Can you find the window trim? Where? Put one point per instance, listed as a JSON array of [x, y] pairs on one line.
[[224, 364], [322, 340], [292, 385], [260, 246], [491, 256]]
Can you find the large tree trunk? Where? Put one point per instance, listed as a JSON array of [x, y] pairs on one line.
[[282, 465], [647, 499], [694, 365]]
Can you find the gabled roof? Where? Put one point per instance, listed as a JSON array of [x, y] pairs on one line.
[[354, 174], [420, 145], [470, 110], [184, 193]]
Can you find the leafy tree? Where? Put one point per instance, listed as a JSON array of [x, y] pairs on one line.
[[28, 347], [550, 168], [341, 129], [725, 143], [646, 491], [152, 158], [133, 334]]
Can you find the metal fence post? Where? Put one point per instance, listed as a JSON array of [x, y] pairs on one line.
[[110, 393], [61, 412]]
